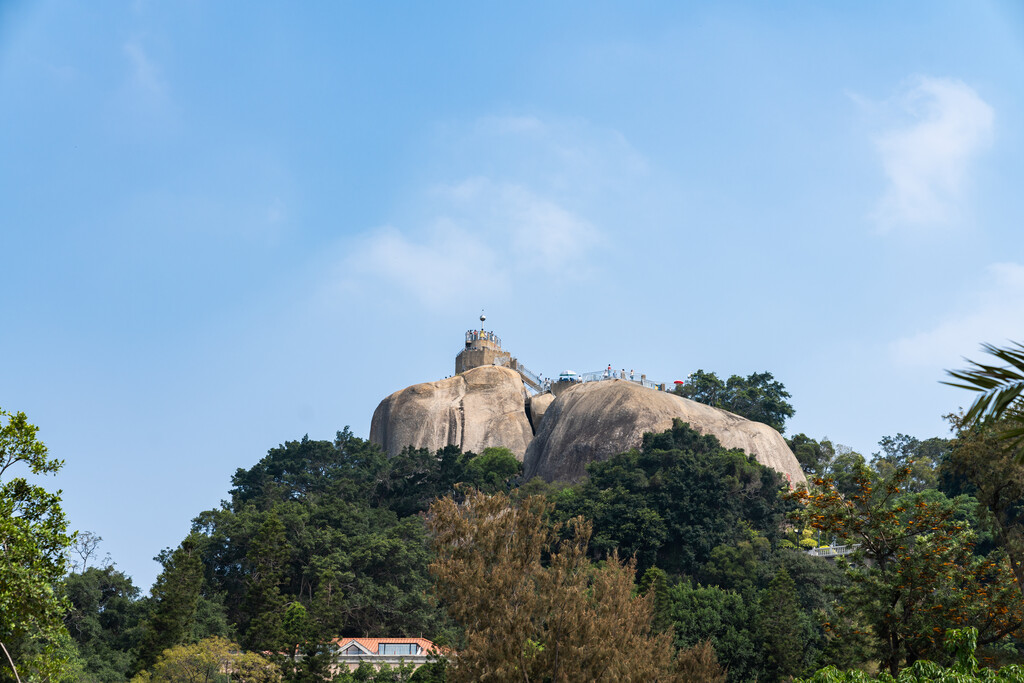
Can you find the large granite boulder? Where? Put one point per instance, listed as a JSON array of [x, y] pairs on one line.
[[477, 409], [596, 420], [538, 406]]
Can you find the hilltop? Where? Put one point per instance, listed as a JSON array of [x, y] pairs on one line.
[[555, 428]]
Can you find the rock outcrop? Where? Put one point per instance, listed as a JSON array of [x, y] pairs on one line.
[[538, 405], [477, 409], [596, 420]]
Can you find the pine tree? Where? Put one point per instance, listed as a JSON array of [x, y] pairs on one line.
[[779, 623], [655, 581], [266, 563], [175, 596]]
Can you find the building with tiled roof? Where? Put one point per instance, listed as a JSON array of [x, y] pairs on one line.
[[391, 651]]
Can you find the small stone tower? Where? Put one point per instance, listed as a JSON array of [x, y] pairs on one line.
[[482, 348]]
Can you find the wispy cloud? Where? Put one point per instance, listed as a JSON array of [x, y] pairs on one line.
[[438, 268], [994, 314], [539, 233], [484, 230], [936, 129], [145, 75], [528, 219]]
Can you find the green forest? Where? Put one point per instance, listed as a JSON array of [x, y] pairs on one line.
[[680, 560]]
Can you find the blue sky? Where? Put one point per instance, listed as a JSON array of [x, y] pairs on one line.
[[228, 225]]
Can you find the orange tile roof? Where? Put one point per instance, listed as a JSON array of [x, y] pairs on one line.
[[372, 644]]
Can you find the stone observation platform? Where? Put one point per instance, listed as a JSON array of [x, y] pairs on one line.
[[484, 348]]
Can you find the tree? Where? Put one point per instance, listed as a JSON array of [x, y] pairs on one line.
[[563, 621], [734, 566], [846, 469], [493, 470], [674, 500], [922, 457], [814, 456], [959, 644], [781, 628], [1000, 388], [722, 618], [655, 582], [84, 550], [761, 398], [915, 572], [758, 396], [997, 478], [700, 663], [703, 387], [321, 539], [820, 586], [367, 673], [175, 596], [213, 660], [33, 541], [103, 621], [265, 565]]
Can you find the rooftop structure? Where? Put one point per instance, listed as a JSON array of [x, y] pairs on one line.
[[482, 348], [379, 651]]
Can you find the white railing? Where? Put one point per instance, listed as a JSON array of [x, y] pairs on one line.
[[833, 550], [476, 335], [529, 376], [599, 375], [534, 382]]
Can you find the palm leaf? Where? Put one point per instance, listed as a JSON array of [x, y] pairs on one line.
[[1000, 388]]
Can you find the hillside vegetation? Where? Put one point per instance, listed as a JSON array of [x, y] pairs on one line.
[[691, 553]]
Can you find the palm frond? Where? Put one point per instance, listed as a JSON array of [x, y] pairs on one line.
[[1000, 388]]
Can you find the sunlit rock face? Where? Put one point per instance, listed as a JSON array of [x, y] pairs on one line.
[[480, 408], [596, 420], [538, 406], [488, 406]]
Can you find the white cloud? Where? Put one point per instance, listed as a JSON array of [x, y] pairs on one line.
[[527, 220], [926, 157], [536, 232], [441, 267], [144, 73], [994, 314], [483, 230]]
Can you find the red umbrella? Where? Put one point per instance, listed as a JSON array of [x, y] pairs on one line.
[[679, 381]]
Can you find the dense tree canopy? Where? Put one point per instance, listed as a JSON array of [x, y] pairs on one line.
[[320, 539], [914, 572], [674, 500], [960, 646], [212, 660], [922, 458], [33, 540], [985, 467], [103, 620], [758, 396], [528, 620], [330, 527]]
